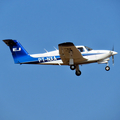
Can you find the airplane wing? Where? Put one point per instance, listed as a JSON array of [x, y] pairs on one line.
[[68, 51]]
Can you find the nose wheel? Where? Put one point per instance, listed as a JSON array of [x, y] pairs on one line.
[[107, 68]]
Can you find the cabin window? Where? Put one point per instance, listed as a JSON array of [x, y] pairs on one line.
[[81, 49], [88, 49]]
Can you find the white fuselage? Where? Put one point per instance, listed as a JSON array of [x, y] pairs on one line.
[[53, 57]]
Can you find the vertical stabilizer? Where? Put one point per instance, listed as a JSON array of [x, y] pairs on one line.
[[17, 50]]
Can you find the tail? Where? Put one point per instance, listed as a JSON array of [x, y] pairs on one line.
[[18, 52]]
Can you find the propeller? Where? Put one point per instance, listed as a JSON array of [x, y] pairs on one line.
[[113, 55]]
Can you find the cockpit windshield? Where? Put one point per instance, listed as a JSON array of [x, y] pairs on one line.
[[89, 49]]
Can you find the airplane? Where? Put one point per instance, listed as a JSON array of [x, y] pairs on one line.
[[68, 54]]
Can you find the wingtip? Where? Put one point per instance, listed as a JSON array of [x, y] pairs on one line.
[[66, 44]]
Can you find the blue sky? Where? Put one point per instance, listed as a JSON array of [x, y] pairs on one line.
[[33, 92]]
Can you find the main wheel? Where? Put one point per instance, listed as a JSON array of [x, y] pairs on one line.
[[72, 67], [78, 72], [107, 68]]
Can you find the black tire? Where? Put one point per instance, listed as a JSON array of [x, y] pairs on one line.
[[107, 68], [78, 72], [72, 67]]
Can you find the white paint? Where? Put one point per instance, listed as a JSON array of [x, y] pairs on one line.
[[15, 49]]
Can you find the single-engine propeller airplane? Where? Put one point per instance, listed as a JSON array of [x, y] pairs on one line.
[[68, 54]]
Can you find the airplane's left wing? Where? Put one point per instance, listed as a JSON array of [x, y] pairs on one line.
[[68, 51]]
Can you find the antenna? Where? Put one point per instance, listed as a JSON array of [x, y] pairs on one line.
[[55, 48], [46, 51]]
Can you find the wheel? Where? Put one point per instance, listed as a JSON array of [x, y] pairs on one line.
[[107, 68], [78, 73], [72, 67]]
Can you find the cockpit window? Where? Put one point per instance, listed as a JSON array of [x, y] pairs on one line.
[[89, 49], [81, 49]]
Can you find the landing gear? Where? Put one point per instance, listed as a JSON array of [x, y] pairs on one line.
[[107, 68], [72, 67], [78, 72]]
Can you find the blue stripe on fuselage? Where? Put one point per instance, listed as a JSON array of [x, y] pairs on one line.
[[31, 60], [88, 54]]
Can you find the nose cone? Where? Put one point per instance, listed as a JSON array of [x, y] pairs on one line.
[[114, 53]]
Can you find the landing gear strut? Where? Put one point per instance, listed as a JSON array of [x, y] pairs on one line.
[[72, 66], [78, 72]]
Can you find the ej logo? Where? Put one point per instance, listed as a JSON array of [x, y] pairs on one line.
[[15, 49]]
